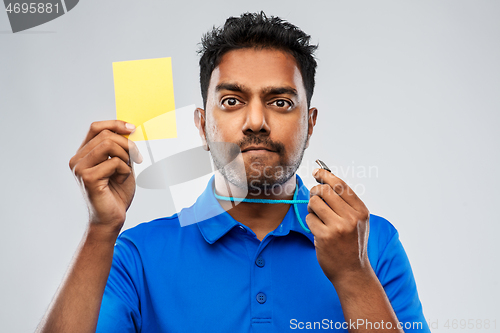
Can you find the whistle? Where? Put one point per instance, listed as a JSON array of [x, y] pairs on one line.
[[322, 165]]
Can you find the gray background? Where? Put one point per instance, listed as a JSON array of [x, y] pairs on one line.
[[409, 87]]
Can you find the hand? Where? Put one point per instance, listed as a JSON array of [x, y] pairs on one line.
[[103, 168], [339, 221]]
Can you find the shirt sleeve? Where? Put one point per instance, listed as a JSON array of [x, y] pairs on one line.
[[120, 310], [396, 276]]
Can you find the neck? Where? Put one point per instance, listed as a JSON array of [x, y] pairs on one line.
[[261, 218]]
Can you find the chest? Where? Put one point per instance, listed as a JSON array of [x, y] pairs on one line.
[[237, 285]]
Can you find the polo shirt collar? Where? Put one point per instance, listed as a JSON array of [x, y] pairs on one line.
[[214, 222]]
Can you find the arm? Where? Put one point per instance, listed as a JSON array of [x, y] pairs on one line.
[[102, 166], [340, 223], [364, 301]]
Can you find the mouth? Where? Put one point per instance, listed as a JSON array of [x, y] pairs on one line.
[[257, 149]]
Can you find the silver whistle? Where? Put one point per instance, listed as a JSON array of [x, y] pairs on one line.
[[322, 165]]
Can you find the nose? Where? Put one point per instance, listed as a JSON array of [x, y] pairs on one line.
[[256, 119]]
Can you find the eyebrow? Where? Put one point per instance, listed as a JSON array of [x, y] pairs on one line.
[[267, 91], [280, 91], [231, 87]]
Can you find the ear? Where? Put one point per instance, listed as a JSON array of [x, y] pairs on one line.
[[311, 122], [199, 122]]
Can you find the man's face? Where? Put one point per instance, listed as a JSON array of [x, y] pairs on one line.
[[257, 102]]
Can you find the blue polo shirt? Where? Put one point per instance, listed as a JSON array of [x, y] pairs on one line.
[[216, 276]]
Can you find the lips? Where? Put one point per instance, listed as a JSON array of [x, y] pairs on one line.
[[250, 148]]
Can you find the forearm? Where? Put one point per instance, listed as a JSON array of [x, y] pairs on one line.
[[365, 304], [76, 305]]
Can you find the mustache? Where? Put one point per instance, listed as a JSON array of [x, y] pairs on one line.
[[262, 141]]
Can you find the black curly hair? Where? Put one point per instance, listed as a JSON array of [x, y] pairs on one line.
[[256, 30]]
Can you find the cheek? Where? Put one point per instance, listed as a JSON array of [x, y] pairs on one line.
[[298, 144], [211, 130], [297, 136], [223, 128], [211, 127], [218, 130], [211, 124]]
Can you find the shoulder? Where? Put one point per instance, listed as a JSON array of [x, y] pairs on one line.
[[158, 232], [151, 228], [382, 234], [380, 227]]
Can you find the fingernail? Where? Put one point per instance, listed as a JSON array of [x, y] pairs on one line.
[[315, 171], [140, 158], [130, 126]]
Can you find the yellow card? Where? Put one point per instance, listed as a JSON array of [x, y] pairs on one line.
[[144, 94]]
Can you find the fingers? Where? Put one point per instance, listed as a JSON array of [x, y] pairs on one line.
[[105, 144], [321, 231], [318, 207], [112, 167], [340, 188], [112, 130], [103, 151], [324, 198], [334, 203], [116, 126], [315, 224]]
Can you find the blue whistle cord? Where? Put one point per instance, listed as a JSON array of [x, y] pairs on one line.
[[293, 202]]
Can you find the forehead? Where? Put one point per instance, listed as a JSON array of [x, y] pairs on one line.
[[258, 69]]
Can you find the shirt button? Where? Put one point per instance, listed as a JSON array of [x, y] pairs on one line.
[[261, 298], [260, 262], [242, 228]]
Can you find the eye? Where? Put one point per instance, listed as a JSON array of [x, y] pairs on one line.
[[230, 102], [282, 103]]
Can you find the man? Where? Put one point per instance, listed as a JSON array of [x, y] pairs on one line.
[[246, 267]]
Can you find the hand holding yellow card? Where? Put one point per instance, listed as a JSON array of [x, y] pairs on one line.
[[144, 94]]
